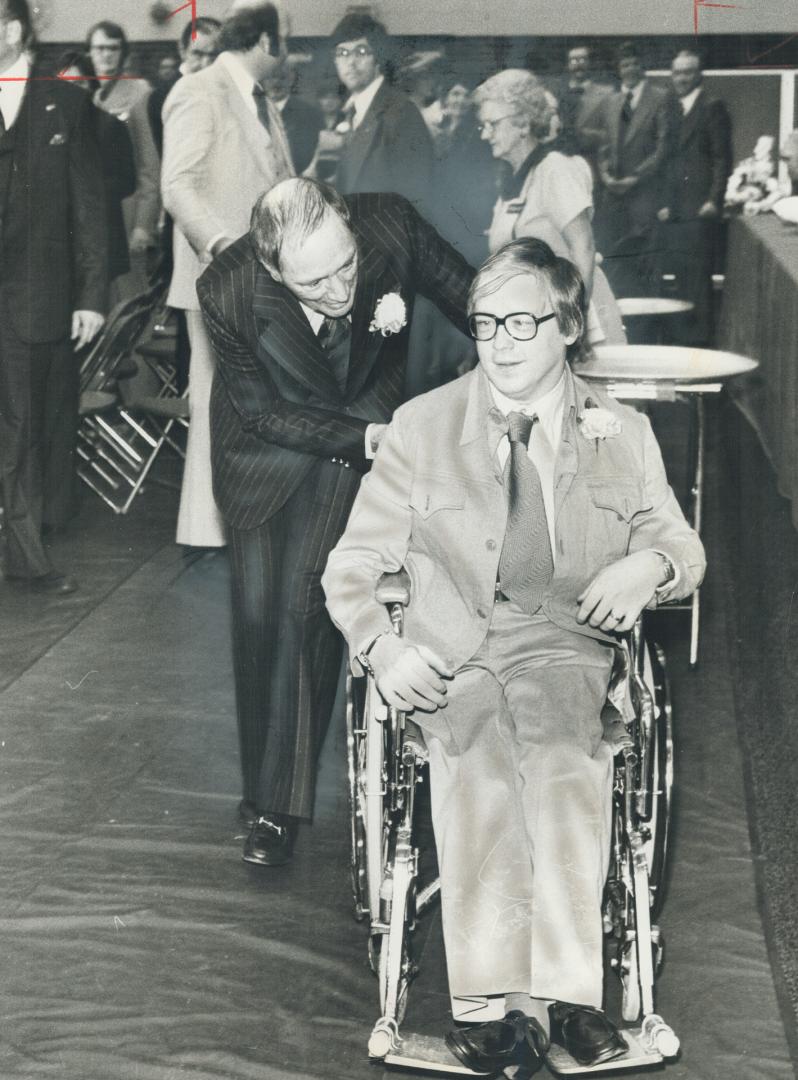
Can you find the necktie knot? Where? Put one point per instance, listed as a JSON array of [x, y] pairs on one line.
[[519, 427], [258, 91]]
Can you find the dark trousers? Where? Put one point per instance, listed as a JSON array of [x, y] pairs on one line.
[[38, 428], [689, 251], [627, 237], [286, 651]]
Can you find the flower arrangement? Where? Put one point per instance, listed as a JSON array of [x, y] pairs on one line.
[[754, 185]]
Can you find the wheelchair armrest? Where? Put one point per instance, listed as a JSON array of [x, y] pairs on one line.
[[393, 588]]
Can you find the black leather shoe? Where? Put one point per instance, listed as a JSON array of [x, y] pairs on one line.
[[270, 841], [52, 584], [497, 1044], [586, 1033], [247, 812]]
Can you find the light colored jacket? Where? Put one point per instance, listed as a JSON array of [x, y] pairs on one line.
[[434, 502], [217, 160]]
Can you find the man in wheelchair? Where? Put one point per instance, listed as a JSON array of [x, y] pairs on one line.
[[535, 520]]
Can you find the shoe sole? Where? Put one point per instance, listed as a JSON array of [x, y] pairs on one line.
[[253, 861]]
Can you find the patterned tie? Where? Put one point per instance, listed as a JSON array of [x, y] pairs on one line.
[[262, 105], [335, 337], [526, 566]]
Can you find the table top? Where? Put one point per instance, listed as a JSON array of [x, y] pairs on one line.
[[780, 238], [671, 363]]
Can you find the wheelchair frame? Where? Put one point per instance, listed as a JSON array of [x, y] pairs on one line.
[[386, 758]]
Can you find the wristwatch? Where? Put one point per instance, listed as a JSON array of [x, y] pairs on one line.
[[668, 571]]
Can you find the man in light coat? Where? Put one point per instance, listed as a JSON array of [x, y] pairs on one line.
[[224, 146], [535, 520]]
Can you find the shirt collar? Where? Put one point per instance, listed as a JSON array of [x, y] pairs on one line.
[[543, 407], [689, 100], [238, 73], [315, 318], [636, 93], [13, 88], [361, 101], [512, 183]]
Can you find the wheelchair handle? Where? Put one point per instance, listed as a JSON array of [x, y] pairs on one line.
[[393, 588]]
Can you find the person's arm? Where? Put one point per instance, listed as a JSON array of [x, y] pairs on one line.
[[188, 141], [377, 541], [89, 247], [660, 535], [441, 272], [720, 150], [264, 412], [578, 235], [148, 168]]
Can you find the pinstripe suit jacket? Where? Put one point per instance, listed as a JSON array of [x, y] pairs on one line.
[[276, 408]]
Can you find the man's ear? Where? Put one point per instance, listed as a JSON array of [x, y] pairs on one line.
[[272, 271], [14, 33]]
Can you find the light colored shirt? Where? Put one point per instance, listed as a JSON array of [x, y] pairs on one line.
[[689, 100], [12, 92], [544, 442], [636, 92], [362, 100]]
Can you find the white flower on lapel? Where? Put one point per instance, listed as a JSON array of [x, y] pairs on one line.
[[59, 139], [597, 423], [390, 315]]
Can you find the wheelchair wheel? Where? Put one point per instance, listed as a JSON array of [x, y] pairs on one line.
[[661, 783], [631, 1002], [396, 968], [356, 766]]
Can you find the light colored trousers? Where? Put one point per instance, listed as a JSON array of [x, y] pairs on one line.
[[199, 523], [521, 787]]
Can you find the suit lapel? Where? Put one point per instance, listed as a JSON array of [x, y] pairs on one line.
[[363, 137], [567, 463], [372, 282], [640, 115], [689, 123], [285, 334], [255, 134]]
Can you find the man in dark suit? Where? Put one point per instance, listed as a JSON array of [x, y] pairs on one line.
[[307, 315], [637, 124], [699, 168], [53, 281], [302, 120], [388, 147], [581, 99]]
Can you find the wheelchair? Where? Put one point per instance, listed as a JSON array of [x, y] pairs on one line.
[[386, 765]]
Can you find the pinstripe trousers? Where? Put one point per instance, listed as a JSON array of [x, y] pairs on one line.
[[286, 651]]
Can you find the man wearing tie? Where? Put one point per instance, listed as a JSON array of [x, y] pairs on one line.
[[534, 518], [638, 124], [224, 145], [308, 317]]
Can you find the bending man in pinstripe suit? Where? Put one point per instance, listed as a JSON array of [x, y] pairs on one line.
[[308, 316]]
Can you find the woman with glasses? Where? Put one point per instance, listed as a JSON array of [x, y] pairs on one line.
[[544, 193]]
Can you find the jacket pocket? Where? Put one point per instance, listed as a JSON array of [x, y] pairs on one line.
[[429, 494], [622, 496]]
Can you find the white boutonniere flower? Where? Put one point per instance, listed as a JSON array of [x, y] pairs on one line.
[[390, 315], [598, 423], [344, 127]]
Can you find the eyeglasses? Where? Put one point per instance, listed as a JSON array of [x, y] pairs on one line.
[[490, 125], [359, 51], [105, 48], [520, 325]]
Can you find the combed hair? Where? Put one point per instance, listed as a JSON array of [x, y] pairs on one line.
[[204, 24], [19, 11], [115, 32], [627, 50], [562, 281], [358, 24], [75, 58], [520, 90], [292, 209], [243, 29]]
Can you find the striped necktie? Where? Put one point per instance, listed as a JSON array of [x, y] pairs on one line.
[[526, 566]]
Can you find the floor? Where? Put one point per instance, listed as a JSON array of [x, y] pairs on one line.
[[135, 943]]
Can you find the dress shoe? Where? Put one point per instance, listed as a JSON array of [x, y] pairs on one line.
[[52, 584], [498, 1044], [586, 1033], [247, 812], [270, 841]]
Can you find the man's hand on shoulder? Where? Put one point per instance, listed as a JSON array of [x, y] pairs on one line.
[[619, 592], [409, 676]]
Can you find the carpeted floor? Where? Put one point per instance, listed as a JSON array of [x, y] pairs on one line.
[[135, 945]]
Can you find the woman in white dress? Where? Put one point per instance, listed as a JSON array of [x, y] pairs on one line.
[[545, 193]]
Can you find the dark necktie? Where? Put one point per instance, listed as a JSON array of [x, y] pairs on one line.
[[262, 105], [335, 337], [526, 566], [626, 109]]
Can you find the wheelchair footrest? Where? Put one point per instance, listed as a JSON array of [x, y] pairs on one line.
[[428, 1053], [637, 1057]]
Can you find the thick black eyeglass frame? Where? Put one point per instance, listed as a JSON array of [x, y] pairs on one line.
[[503, 322]]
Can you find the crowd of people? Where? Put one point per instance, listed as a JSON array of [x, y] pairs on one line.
[[322, 255]]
